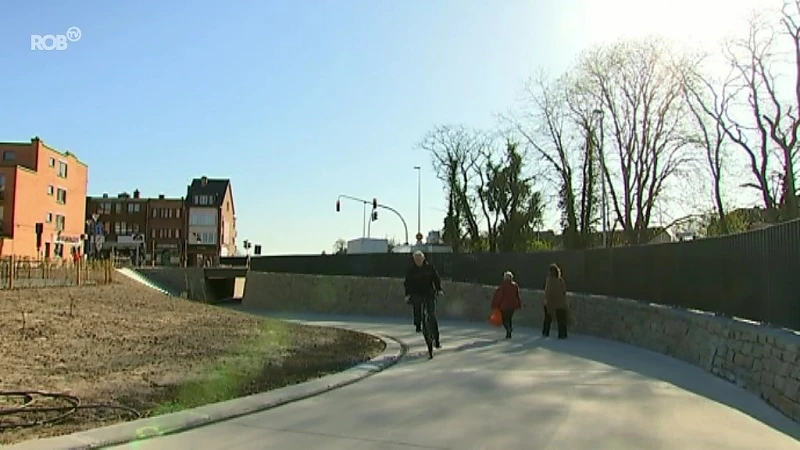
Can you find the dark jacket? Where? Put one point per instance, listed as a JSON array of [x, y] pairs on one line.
[[422, 280], [507, 296], [555, 294]]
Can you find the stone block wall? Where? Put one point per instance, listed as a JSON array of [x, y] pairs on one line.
[[761, 359]]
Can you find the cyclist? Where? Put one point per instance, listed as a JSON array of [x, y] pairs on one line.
[[422, 284]]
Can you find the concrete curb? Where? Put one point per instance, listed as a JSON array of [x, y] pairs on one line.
[[126, 432]]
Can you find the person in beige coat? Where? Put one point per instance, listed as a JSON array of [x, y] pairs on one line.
[[555, 302]]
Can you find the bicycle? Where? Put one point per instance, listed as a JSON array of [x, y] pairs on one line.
[[427, 332]]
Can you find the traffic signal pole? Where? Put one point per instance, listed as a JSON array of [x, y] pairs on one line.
[[375, 206]]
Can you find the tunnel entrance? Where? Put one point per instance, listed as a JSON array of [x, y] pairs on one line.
[[220, 289]]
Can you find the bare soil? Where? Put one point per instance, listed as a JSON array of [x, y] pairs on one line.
[[126, 346]]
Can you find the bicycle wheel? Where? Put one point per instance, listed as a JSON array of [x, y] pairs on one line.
[[426, 331]]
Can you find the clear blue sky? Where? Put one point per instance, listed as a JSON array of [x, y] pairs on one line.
[[294, 101]]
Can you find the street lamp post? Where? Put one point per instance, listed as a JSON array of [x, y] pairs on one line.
[[419, 199], [603, 214]]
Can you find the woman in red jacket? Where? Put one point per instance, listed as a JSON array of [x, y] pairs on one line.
[[506, 299]]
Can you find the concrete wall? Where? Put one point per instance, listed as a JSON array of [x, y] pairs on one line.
[[761, 359], [191, 283], [185, 282]]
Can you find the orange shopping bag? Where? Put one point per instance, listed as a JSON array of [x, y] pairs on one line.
[[496, 318]]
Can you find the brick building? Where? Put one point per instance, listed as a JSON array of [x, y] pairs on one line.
[[147, 228], [166, 230], [212, 220], [39, 184], [118, 223]]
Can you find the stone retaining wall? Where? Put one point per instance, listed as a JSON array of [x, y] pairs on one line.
[[761, 359]]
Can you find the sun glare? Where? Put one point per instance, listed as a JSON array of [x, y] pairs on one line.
[[696, 22]]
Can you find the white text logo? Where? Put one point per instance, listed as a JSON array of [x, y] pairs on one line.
[[55, 42]]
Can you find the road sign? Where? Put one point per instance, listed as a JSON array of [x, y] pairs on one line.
[[99, 229]]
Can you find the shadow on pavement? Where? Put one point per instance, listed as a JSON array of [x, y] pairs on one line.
[[495, 354], [678, 373]]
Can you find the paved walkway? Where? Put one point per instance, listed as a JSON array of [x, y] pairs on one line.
[[481, 392]]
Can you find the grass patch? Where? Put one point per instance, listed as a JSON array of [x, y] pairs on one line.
[[129, 345], [230, 376]]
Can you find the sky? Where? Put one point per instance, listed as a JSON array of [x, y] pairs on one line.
[[298, 102]]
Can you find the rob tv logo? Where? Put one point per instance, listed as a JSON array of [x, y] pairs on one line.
[[55, 42]]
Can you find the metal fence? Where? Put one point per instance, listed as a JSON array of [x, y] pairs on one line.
[[16, 273], [754, 275]]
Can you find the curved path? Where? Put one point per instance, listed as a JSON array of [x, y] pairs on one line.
[[482, 392]]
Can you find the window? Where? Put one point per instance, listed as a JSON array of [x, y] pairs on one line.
[[118, 208], [60, 220], [203, 200], [2, 187], [155, 214], [178, 213], [105, 208], [107, 227], [120, 228], [62, 169], [49, 218], [61, 196], [50, 189], [202, 218], [205, 238], [52, 162], [9, 155], [153, 233], [134, 208], [178, 232], [135, 228]]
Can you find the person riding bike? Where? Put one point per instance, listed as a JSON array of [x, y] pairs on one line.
[[422, 284]]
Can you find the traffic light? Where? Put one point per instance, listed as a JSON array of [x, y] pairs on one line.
[[338, 206], [374, 216], [374, 203]]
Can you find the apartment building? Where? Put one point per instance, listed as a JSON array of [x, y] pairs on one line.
[[41, 185], [117, 223], [166, 230], [211, 229], [150, 229]]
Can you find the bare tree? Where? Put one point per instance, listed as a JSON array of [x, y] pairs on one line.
[[339, 247], [709, 104], [547, 126], [769, 136], [458, 155], [640, 93]]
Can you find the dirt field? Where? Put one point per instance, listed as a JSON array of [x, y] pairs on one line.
[[128, 346]]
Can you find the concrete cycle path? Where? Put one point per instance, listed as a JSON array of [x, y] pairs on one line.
[[482, 392]]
